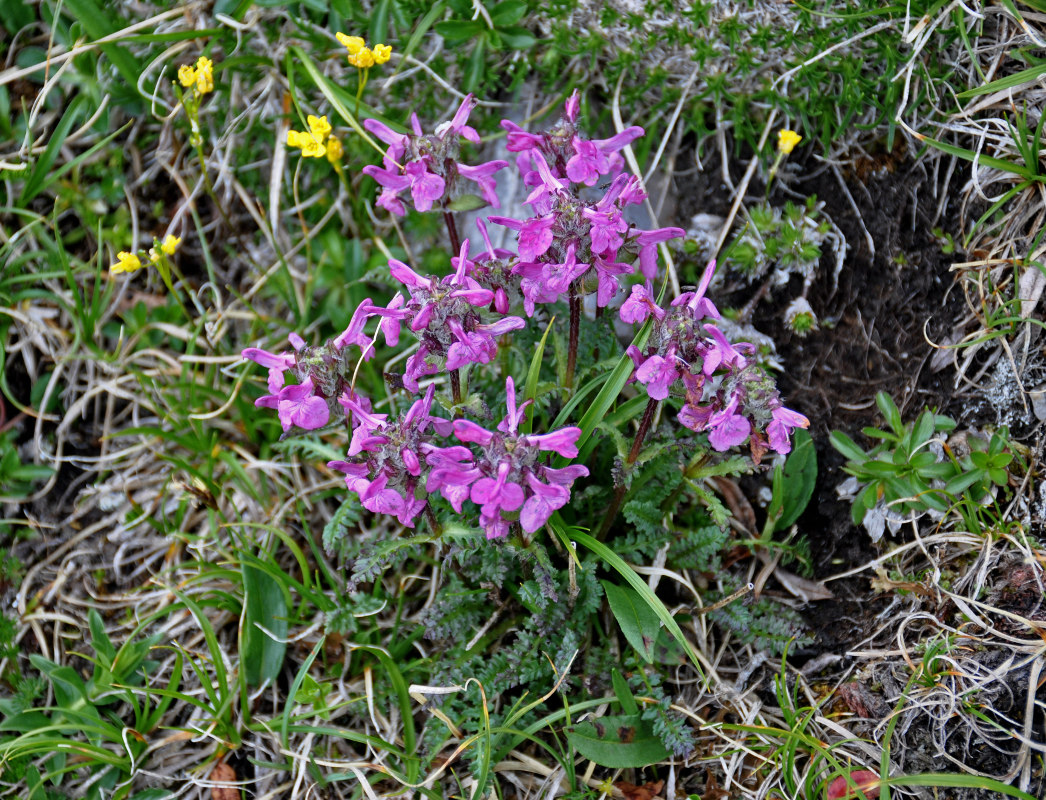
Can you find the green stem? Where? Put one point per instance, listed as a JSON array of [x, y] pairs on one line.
[[633, 454], [575, 334]]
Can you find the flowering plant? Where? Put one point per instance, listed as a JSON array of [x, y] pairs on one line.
[[444, 457]]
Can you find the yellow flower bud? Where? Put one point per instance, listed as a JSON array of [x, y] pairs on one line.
[[334, 150], [186, 75], [382, 53], [352, 43], [787, 140], [126, 262]]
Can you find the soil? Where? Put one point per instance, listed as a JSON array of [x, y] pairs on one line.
[[881, 306]]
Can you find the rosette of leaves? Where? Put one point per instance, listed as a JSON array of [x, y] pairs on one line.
[[913, 470]]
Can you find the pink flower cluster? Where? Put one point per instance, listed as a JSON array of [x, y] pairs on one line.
[[569, 246], [725, 392], [569, 242], [427, 164]]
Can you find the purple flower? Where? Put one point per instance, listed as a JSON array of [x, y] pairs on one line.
[[483, 175], [512, 469], [648, 241], [722, 353], [535, 234], [545, 499], [498, 493], [563, 441], [457, 125], [299, 406], [606, 230], [392, 184], [616, 142], [397, 142], [425, 187], [587, 163], [573, 105], [639, 305], [547, 185], [700, 305], [783, 421], [658, 373], [728, 427], [519, 140]]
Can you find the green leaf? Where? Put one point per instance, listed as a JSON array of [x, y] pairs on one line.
[[530, 388], [518, 38], [41, 168], [957, 780], [624, 694], [612, 559], [103, 647], [890, 412], [620, 742], [477, 66], [798, 479], [619, 376], [847, 446], [508, 13], [637, 620], [264, 605], [958, 484], [1028, 75], [379, 23], [466, 202], [457, 31]]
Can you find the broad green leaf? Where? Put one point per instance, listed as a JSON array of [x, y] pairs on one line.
[[798, 479], [508, 12], [264, 606], [518, 38], [620, 742], [638, 621], [612, 559], [467, 202]]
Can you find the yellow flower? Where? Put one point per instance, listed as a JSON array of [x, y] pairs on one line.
[[204, 75], [126, 262], [334, 150], [170, 244], [364, 59], [319, 126], [186, 75], [311, 142], [382, 53], [787, 140], [352, 43]]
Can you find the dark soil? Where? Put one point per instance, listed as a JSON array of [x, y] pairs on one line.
[[881, 306]]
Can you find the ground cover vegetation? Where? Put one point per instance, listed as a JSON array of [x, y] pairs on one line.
[[516, 399]]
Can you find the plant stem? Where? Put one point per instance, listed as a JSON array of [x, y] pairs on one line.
[[633, 454], [452, 232], [434, 525], [575, 331], [455, 386]]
